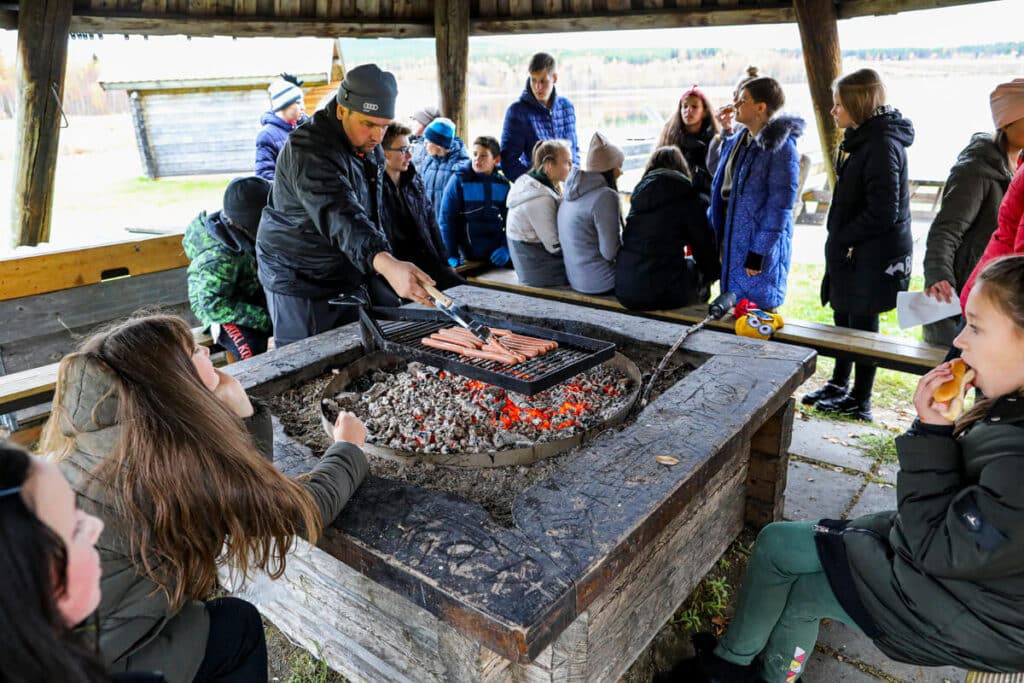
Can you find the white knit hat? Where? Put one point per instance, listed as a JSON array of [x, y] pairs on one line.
[[283, 93]]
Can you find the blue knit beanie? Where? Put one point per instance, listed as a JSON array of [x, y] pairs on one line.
[[441, 132]]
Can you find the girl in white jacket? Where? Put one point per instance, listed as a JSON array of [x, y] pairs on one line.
[[532, 226]]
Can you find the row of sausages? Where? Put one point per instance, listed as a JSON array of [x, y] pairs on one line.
[[504, 346]]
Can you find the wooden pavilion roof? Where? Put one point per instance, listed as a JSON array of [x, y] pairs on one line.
[[415, 18]]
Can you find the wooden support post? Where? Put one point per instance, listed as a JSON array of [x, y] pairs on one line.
[[766, 473], [42, 55], [337, 63], [451, 33], [819, 35]]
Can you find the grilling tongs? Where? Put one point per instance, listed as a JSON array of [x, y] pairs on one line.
[[450, 308]]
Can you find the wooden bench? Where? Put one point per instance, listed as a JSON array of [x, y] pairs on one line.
[[981, 677], [925, 201], [837, 342], [51, 301]]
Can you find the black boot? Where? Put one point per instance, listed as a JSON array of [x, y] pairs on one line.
[[705, 667], [829, 391], [848, 406]]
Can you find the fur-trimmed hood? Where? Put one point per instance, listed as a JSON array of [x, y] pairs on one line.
[[779, 129]]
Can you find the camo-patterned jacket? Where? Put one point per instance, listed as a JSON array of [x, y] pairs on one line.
[[222, 283]]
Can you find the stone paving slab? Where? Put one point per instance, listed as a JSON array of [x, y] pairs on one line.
[[832, 442], [825, 669], [817, 492], [875, 498], [887, 472], [853, 645]]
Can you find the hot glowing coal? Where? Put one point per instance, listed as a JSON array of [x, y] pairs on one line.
[[425, 410]]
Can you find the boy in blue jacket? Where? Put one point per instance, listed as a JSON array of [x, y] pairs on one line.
[[540, 113], [473, 211]]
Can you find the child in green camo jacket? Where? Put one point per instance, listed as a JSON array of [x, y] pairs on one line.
[[223, 289]]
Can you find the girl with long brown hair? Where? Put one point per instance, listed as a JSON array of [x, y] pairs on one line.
[[935, 582], [176, 459], [691, 128]]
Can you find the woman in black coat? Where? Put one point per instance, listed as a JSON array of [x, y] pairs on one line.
[[869, 246], [666, 214]]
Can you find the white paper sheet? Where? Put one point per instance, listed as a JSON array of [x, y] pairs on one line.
[[916, 308]]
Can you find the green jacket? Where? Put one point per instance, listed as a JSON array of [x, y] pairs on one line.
[[223, 286], [943, 576], [138, 630], [966, 221]]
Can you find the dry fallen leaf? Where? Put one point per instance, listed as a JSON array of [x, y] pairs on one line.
[[666, 459]]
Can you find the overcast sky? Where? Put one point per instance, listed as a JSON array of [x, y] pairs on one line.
[[987, 22]]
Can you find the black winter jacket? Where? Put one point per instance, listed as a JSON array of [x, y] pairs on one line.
[[695, 151], [666, 213], [869, 245], [412, 230], [321, 230], [940, 581], [969, 214]]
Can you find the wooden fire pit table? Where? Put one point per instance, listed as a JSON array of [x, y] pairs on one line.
[[417, 585]]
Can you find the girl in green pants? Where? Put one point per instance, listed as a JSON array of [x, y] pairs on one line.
[[938, 581]]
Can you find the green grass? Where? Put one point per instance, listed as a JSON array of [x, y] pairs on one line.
[[168, 191], [803, 301], [306, 668], [877, 446]]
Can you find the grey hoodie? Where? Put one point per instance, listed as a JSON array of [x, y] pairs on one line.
[[589, 226]]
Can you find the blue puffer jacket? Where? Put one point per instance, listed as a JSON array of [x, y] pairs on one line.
[[473, 213], [269, 142], [755, 225], [526, 122], [437, 171]]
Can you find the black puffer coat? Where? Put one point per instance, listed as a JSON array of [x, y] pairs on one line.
[[321, 229], [695, 151], [411, 228], [938, 582], [869, 246], [666, 213]]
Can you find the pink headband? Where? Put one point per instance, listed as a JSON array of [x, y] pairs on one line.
[[694, 90]]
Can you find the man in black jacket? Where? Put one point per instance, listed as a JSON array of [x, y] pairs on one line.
[[321, 233]]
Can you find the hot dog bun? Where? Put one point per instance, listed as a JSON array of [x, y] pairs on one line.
[[953, 391]]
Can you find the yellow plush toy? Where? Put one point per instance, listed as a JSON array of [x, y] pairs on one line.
[[751, 321]]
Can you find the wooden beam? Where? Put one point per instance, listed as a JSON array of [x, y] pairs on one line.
[[53, 271], [337, 62], [671, 18], [849, 9], [819, 35], [42, 57], [451, 30], [245, 27]]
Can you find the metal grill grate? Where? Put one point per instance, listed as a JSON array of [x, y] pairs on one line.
[[411, 334], [399, 331]]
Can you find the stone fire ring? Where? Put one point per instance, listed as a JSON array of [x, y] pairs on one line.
[[493, 458], [415, 585]]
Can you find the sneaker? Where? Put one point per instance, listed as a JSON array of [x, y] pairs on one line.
[[848, 406], [829, 391]]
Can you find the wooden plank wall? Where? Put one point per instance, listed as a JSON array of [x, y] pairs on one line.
[[415, 10]]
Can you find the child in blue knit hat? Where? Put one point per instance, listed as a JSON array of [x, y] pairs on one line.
[[445, 153], [473, 210]]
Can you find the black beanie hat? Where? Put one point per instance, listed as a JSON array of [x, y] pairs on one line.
[[370, 91], [244, 200]]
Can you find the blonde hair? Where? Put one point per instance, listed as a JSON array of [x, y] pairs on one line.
[[861, 93], [548, 150]]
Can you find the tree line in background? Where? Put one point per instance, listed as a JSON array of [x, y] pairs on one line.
[[500, 69]]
